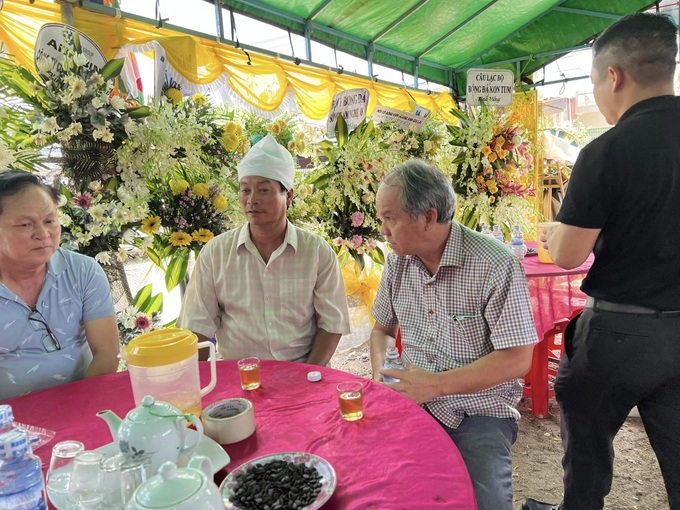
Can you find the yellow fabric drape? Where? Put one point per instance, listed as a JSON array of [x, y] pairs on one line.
[[200, 61], [361, 286]]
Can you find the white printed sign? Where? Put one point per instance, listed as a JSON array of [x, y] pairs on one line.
[[50, 41], [352, 105], [402, 119], [421, 111], [494, 87]]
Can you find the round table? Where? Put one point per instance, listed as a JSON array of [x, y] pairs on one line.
[[396, 457]]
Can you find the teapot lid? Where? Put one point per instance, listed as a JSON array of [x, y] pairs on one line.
[[161, 347], [152, 410], [170, 487]]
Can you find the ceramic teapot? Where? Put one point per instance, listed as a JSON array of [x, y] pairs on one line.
[[176, 488], [154, 429]]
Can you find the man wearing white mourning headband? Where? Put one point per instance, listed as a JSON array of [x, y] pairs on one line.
[[267, 289]]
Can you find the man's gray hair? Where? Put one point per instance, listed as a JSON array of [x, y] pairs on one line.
[[424, 187]]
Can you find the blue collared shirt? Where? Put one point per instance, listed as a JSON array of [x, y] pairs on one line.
[[75, 291]]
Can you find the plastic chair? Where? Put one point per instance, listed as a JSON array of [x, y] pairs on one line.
[[548, 350]]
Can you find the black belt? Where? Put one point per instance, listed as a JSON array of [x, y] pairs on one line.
[[606, 306]]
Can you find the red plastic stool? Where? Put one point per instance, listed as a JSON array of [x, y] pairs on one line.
[[549, 349]]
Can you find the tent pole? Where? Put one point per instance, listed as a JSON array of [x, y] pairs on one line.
[[416, 63], [66, 8], [308, 40]]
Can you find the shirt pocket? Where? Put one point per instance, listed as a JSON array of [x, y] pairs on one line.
[[467, 336], [297, 299]]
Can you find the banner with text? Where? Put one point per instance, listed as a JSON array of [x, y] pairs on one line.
[[402, 119], [352, 105], [493, 87], [50, 43]]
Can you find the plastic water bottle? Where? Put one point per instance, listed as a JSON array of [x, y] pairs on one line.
[[517, 243], [21, 482], [497, 234], [6, 418], [486, 231], [393, 360]]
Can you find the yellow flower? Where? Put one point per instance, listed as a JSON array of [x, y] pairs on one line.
[[151, 225], [512, 168], [178, 186], [199, 99], [300, 146], [174, 95], [275, 129], [502, 153], [493, 187], [492, 199], [500, 141], [292, 145], [202, 235], [180, 239], [230, 141], [492, 157], [220, 203], [234, 128], [282, 124], [201, 190], [486, 150]]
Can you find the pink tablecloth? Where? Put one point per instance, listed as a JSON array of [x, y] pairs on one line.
[[555, 292], [396, 457]]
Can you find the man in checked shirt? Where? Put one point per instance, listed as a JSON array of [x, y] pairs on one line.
[[462, 303]]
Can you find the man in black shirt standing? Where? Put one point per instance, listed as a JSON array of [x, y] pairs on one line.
[[623, 204]]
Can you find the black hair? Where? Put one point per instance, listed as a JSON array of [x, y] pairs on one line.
[[15, 181], [643, 45]]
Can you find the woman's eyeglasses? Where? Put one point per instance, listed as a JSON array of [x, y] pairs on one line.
[[38, 323]]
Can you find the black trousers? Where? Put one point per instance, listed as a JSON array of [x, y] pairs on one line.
[[614, 361]]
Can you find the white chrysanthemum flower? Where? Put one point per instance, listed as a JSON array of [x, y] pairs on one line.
[[95, 186], [97, 79], [98, 102], [103, 257], [122, 256], [45, 65], [49, 125], [128, 236], [79, 59], [84, 238], [78, 88], [61, 201], [39, 139], [104, 134], [118, 102], [97, 212], [64, 219]]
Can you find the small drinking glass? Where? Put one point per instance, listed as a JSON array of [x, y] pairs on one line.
[[249, 372], [61, 464], [351, 399], [121, 475], [85, 488]]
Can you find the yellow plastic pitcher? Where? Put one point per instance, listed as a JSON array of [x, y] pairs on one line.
[[164, 364]]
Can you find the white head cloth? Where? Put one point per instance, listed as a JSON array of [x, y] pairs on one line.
[[268, 159]]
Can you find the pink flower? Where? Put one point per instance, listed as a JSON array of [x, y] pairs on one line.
[[357, 219], [356, 241], [338, 241], [142, 322], [83, 200], [371, 244]]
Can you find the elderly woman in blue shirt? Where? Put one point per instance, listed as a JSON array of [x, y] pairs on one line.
[[57, 320]]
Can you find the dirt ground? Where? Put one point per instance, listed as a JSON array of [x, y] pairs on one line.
[[537, 454]]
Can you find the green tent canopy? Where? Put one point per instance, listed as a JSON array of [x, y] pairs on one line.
[[439, 40]]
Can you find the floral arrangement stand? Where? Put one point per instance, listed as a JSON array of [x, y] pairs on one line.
[[120, 288], [86, 159]]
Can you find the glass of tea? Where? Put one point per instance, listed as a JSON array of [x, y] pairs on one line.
[[351, 399], [249, 371]]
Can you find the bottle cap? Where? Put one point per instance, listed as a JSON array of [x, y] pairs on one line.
[[6, 417], [314, 376]]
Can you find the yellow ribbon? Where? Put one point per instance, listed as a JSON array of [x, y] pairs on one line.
[[361, 286]]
